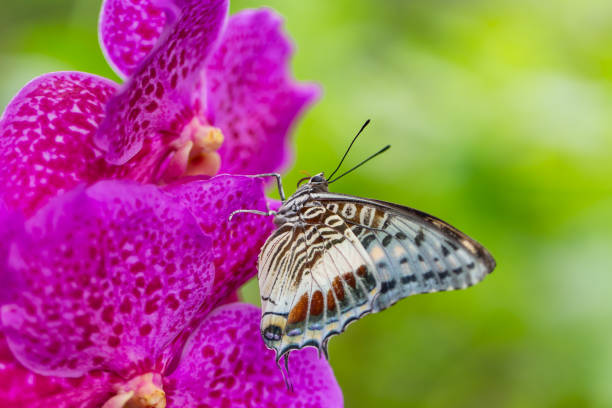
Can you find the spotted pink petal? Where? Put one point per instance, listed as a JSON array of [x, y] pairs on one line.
[[252, 97], [226, 364], [46, 137], [20, 387], [233, 297], [236, 243], [165, 91], [18, 383], [11, 224], [113, 274], [129, 29]]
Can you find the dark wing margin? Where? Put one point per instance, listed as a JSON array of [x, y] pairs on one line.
[[453, 233]]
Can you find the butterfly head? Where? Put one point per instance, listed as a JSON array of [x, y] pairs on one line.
[[317, 183], [318, 179]]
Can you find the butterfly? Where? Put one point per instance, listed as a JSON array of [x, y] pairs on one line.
[[335, 258]]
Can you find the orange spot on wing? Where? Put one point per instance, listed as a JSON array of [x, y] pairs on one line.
[[361, 271], [338, 288], [349, 278], [331, 302], [299, 311], [316, 304]]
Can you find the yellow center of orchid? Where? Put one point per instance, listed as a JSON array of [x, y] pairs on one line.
[[143, 391], [195, 152]]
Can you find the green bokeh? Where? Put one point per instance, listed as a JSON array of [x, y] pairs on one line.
[[500, 117]]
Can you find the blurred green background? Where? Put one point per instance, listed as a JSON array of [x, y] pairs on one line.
[[500, 117]]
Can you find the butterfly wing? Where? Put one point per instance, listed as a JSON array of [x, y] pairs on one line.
[[315, 277], [346, 257], [413, 252]]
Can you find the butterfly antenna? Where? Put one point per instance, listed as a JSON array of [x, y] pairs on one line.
[[367, 122], [384, 149], [303, 179]]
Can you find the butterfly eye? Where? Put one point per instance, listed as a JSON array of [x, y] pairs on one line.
[[317, 179]]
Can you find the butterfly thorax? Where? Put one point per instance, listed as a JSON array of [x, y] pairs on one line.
[[290, 209]]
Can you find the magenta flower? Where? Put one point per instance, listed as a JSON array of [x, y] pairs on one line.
[[47, 132], [202, 94], [111, 292], [114, 286]]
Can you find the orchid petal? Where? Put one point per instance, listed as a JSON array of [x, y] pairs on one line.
[[17, 383], [113, 273], [20, 387], [46, 137], [233, 297], [236, 243], [165, 92], [252, 97], [226, 364], [11, 224], [128, 30]]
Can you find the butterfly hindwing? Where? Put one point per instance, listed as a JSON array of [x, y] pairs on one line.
[[315, 278]]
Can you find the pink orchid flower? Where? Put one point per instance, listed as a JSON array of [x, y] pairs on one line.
[[114, 296], [202, 94]]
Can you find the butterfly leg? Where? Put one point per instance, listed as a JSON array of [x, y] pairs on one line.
[[279, 183], [285, 373], [269, 212]]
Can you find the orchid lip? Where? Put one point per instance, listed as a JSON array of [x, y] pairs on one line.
[[143, 391]]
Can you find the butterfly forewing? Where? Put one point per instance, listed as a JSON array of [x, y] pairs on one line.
[[335, 258], [413, 252]]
